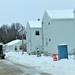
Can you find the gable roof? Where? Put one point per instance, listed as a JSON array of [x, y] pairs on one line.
[[13, 42], [58, 14], [35, 24]]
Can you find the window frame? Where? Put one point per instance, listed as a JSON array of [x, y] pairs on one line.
[[37, 33]]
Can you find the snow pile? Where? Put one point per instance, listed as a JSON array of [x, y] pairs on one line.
[[46, 64]]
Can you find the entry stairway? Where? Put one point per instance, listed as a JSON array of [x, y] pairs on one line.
[[72, 53]]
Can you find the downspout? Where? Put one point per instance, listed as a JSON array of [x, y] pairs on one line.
[[30, 41], [42, 37]]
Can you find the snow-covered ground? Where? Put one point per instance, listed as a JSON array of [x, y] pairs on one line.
[[43, 63]]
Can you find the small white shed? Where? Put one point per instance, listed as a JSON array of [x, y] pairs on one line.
[[14, 45], [33, 36]]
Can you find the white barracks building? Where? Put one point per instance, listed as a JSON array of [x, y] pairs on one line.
[[57, 27], [34, 36]]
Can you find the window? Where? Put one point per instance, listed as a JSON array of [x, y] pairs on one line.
[[49, 39], [48, 23], [46, 43], [15, 48], [37, 33], [42, 23], [20, 47]]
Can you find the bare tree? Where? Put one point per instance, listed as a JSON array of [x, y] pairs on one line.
[[12, 32]]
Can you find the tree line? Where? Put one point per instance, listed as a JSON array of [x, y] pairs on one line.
[[12, 32]]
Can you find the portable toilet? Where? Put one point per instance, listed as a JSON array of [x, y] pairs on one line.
[[62, 51]]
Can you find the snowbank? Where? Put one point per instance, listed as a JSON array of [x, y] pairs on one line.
[[46, 64]]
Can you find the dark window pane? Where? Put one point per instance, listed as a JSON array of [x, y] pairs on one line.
[[49, 39], [37, 33], [48, 23]]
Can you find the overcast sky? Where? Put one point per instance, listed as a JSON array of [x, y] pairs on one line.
[[12, 11]]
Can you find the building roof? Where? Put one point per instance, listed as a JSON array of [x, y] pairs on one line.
[[34, 24], [13, 42], [58, 14]]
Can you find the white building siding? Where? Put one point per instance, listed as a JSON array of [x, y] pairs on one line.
[[59, 31], [28, 38], [62, 32], [11, 45], [33, 41], [36, 40], [46, 19]]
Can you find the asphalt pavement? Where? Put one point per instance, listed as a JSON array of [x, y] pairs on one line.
[[10, 68]]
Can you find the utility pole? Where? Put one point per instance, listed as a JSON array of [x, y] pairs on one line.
[[21, 30], [22, 42]]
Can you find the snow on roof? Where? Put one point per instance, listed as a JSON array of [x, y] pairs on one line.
[[62, 44], [13, 42], [34, 24], [60, 13]]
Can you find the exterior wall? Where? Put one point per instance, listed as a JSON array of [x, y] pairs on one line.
[[28, 38], [36, 40], [74, 17], [12, 47], [33, 41], [46, 35], [63, 32], [60, 31]]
